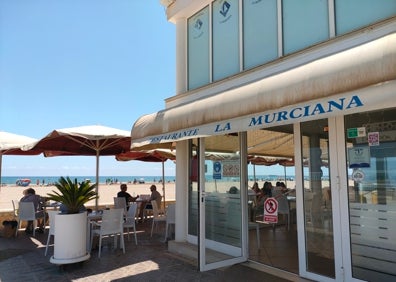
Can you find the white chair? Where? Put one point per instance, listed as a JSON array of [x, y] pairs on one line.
[[120, 203], [255, 225], [112, 224], [26, 212], [170, 218], [130, 220], [15, 206], [319, 210], [283, 208], [146, 208], [51, 231], [157, 216]]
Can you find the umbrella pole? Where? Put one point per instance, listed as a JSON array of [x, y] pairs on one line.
[[97, 180], [1, 160], [285, 176], [163, 182]]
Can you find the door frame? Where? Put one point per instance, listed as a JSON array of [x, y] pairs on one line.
[[202, 242], [340, 210]]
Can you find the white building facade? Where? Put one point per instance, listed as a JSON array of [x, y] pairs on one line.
[[310, 83]]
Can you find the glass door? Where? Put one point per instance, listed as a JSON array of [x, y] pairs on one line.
[[370, 142], [223, 205], [349, 198], [318, 259]]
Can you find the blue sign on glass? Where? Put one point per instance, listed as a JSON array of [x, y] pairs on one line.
[[217, 170]]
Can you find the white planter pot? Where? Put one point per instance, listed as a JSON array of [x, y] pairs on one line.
[[70, 240]]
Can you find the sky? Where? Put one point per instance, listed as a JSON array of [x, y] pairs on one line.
[[67, 63]]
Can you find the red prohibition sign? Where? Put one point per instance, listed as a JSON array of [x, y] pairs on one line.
[[271, 206]]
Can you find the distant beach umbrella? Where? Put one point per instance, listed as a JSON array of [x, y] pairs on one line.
[[93, 140]]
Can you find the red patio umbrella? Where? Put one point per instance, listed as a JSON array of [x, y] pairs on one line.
[[95, 140]]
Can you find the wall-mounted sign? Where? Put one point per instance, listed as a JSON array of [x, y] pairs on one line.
[[356, 132], [373, 138], [359, 157], [231, 168], [358, 175], [271, 210], [217, 170]]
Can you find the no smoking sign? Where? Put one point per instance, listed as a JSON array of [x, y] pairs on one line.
[[271, 210]]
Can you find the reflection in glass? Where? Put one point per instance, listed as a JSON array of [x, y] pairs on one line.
[[317, 198], [371, 194]]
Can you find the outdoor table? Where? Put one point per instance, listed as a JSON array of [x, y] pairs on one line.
[[93, 216], [54, 205], [292, 206]]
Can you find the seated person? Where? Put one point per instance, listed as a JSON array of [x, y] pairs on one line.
[[38, 202], [267, 189], [124, 194], [155, 195], [279, 189], [233, 190], [256, 188]]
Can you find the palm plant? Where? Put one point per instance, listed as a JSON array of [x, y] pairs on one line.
[[73, 194]]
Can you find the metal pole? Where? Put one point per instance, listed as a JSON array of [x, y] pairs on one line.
[[1, 160], [97, 179], [163, 182]]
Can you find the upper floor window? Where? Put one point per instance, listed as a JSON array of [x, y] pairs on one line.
[[229, 36], [305, 22], [354, 14], [225, 26], [198, 49], [260, 32]]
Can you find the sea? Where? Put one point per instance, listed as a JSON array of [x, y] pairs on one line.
[[49, 180]]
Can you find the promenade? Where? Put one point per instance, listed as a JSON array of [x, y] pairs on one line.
[[22, 259]]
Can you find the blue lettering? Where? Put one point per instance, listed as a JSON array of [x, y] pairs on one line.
[[334, 104], [267, 120], [306, 111], [175, 135], [273, 117], [255, 121], [354, 101], [282, 115], [292, 115], [227, 126], [319, 109]]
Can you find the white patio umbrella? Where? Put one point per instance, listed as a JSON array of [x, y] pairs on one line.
[[93, 140], [10, 144]]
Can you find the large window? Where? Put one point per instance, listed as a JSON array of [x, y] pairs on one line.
[[223, 193], [198, 50], [193, 189], [229, 36], [260, 32], [305, 22], [318, 215], [371, 156], [353, 14], [225, 38]]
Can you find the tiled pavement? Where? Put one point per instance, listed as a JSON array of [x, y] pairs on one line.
[[22, 259]]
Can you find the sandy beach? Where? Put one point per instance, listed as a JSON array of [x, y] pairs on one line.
[[106, 193]]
